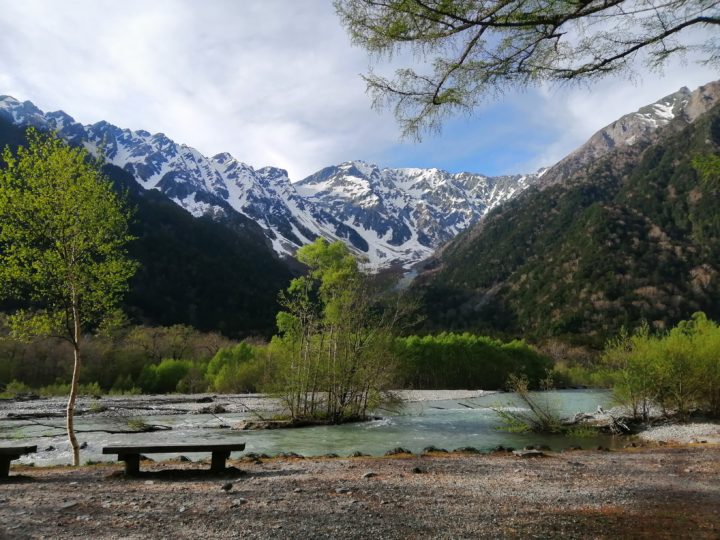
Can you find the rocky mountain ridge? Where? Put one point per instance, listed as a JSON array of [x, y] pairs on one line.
[[635, 129], [390, 217]]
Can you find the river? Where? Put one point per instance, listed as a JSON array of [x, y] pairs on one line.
[[447, 424]]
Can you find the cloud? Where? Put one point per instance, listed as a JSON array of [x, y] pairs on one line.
[[275, 82], [272, 82]]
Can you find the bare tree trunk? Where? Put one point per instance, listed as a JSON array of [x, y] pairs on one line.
[[70, 411]]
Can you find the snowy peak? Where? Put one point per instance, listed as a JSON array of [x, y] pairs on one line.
[[22, 113], [405, 214], [390, 217]]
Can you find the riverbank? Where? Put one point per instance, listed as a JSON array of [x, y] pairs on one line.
[[256, 405], [658, 492], [700, 432]]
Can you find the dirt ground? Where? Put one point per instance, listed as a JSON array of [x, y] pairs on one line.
[[660, 492]]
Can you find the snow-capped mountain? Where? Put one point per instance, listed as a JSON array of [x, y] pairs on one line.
[[391, 217], [405, 214]]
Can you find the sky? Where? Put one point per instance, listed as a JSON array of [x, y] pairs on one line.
[[277, 82]]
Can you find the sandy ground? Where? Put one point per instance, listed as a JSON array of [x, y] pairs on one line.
[[658, 492]]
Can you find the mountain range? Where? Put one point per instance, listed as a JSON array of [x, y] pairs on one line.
[[213, 275], [390, 217]]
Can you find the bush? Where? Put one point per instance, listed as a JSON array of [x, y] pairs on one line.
[[163, 377], [539, 415], [449, 360], [63, 389], [15, 388], [239, 369], [678, 371]]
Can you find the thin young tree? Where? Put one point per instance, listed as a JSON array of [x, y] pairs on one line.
[[63, 237], [467, 50]]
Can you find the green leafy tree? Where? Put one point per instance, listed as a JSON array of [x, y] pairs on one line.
[[475, 48], [335, 342], [63, 232]]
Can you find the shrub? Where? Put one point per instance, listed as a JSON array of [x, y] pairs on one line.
[[238, 369], [62, 389], [540, 414], [16, 388], [677, 371], [449, 360], [163, 377]]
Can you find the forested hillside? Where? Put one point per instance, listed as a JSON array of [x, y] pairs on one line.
[[210, 274], [635, 236]]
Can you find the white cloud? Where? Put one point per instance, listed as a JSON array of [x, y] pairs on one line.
[[274, 82], [577, 112]]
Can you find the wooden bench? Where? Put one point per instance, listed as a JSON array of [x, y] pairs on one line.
[[131, 454], [10, 453]]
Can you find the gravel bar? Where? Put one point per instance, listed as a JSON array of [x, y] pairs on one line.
[[658, 492]]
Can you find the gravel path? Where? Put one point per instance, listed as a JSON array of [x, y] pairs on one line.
[[660, 492]]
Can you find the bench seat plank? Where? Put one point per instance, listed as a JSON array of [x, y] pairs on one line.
[[174, 448]]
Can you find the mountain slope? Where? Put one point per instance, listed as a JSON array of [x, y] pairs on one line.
[[390, 217], [197, 271], [634, 129], [634, 236]]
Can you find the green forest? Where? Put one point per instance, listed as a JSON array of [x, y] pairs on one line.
[[633, 238]]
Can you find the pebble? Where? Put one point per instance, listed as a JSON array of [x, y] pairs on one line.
[[68, 505], [239, 501], [342, 490], [369, 474]]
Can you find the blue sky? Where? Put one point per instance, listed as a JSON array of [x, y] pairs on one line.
[[276, 82]]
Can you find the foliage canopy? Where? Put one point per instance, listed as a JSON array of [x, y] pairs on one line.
[[473, 48]]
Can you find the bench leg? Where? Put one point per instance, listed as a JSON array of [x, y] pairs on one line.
[[132, 463], [4, 467], [218, 461]]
